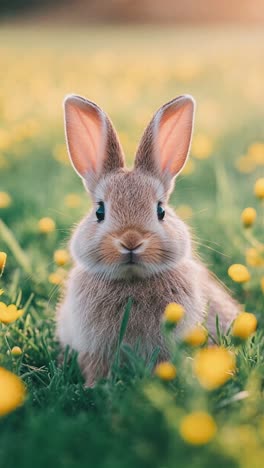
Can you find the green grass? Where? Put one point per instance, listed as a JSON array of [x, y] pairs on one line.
[[131, 419]]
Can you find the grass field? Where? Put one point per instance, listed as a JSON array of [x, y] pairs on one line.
[[132, 419]]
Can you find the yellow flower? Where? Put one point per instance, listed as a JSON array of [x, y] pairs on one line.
[[239, 273], [4, 139], [202, 146], [57, 277], [3, 258], [60, 154], [189, 167], [262, 283], [166, 371], [259, 188], [61, 257], [248, 216], [244, 325], [173, 312], [9, 314], [12, 391], [198, 428], [46, 225], [256, 150], [245, 165], [16, 351], [254, 258], [197, 336], [72, 200], [5, 200], [214, 366], [184, 211]]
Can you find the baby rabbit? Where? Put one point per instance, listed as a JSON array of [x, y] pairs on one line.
[[132, 244]]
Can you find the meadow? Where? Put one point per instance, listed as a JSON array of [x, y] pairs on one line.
[[134, 418]]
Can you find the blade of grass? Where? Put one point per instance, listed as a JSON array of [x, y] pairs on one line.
[[10, 240], [124, 322], [14, 285], [122, 332]]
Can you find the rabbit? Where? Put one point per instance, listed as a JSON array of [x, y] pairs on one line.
[[132, 244]]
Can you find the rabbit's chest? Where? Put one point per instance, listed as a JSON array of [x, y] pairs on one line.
[[104, 309], [103, 321]]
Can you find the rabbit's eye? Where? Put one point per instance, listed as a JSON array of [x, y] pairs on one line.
[[160, 211], [100, 212]]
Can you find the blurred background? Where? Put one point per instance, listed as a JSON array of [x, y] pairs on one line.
[[156, 11], [130, 57]]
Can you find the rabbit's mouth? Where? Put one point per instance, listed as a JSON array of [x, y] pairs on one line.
[[138, 263], [131, 258]]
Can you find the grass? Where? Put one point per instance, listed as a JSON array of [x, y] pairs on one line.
[[131, 419]]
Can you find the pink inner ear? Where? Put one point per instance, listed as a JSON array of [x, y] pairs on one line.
[[85, 135], [90, 129], [174, 135]]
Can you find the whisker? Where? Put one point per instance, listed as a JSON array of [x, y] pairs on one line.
[[211, 248]]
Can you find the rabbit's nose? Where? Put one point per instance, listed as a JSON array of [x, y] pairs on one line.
[[130, 241], [130, 252], [130, 248]]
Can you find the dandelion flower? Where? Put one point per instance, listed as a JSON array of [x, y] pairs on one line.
[[202, 147], [12, 392], [184, 211], [189, 167], [248, 216], [197, 336], [61, 257], [60, 154], [46, 225], [245, 165], [5, 200], [10, 313], [214, 366], [166, 371], [3, 258], [72, 200], [239, 273], [259, 188], [256, 151], [54, 278], [16, 351], [173, 312], [57, 277], [244, 325], [254, 258], [5, 139], [198, 428]]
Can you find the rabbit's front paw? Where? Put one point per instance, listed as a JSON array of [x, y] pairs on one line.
[[93, 368]]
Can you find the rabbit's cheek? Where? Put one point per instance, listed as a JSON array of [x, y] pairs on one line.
[[108, 251], [154, 251]]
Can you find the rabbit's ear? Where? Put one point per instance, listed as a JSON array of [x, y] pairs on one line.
[[93, 145], [165, 145]]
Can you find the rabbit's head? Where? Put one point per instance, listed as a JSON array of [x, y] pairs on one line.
[[131, 232]]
